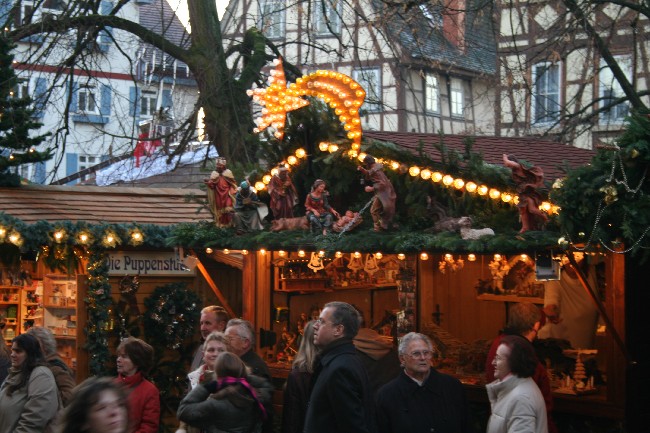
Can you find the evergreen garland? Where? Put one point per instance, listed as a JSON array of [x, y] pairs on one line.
[[607, 202], [98, 301]]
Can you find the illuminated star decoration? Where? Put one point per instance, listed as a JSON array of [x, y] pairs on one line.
[[277, 101], [344, 95]]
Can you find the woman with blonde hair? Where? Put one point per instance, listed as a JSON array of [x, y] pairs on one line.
[[214, 345], [296, 392], [234, 403]]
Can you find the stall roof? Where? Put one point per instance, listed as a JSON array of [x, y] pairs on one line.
[[549, 155], [159, 206]]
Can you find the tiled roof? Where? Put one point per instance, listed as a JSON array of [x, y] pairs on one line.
[[159, 17], [422, 40], [94, 204], [550, 156]]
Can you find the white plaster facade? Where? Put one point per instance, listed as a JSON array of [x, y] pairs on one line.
[[101, 99]]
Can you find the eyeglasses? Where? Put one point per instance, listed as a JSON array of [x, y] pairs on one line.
[[426, 354], [320, 321]]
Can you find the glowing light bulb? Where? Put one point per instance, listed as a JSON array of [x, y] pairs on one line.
[[266, 179], [357, 254], [332, 148], [244, 252], [424, 256], [209, 250], [301, 253], [401, 256], [292, 160], [301, 153], [378, 256], [262, 251], [471, 257], [482, 190], [447, 180], [338, 254], [497, 257], [259, 186], [436, 176], [506, 198], [83, 238], [459, 183], [226, 251], [58, 235], [470, 187], [425, 174], [282, 253], [494, 193], [321, 253], [323, 146], [414, 171]]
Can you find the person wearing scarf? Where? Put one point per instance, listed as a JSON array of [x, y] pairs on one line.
[[134, 359], [29, 399], [232, 404]]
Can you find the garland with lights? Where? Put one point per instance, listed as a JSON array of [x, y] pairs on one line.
[[98, 302], [607, 203]]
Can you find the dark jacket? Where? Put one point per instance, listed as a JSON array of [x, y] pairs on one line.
[[296, 396], [340, 400], [231, 409], [259, 368], [439, 405]]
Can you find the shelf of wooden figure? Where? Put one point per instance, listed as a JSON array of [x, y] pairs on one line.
[[61, 307], [303, 284], [509, 298]]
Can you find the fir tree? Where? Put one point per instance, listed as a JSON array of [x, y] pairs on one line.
[[17, 119]]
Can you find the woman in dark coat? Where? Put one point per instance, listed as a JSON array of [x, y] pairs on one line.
[[296, 392], [232, 404]]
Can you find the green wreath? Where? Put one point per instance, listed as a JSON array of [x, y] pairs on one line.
[[171, 315]]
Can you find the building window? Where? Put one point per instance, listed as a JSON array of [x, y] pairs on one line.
[[457, 97], [21, 90], [87, 161], [87, 100], [546, 93], [272, 18], [370, 81], [610, 90], [431, 94], [433, 14], [327, 17], [148, 103]]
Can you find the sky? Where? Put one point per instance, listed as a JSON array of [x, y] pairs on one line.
[[181, 9]]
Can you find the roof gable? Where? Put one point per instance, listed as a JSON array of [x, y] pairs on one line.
[[157, 206], [550, 156]]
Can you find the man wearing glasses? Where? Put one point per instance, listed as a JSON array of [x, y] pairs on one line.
[[421, 399], [340, 400]]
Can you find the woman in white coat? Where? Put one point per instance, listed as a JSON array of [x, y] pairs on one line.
[[516, 401]]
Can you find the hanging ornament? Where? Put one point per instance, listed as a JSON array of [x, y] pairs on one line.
[[315, 262], [371, 264], [355, 262]]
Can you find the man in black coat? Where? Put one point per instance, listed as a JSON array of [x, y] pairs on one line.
[[341, 400], [420, 399]]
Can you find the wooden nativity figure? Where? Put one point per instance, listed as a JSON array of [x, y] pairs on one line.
[[383, 205], [283, 194], [528, 180], [222, 188]]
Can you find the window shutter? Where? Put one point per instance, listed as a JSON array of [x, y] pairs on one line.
[[5, 9], [39, 172], [40, 95], [167, 99], [105, 103], [105, 36], [71, 163], [135, 93], [74, 101]]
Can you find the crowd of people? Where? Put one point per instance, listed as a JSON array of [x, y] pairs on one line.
[[344, 379]]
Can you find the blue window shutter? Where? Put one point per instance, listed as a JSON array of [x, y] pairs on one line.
[[71, 163], [105, 105], [105, 38], [104, 158], [39, 172], [167, 99], [134, 101], [74, 101], [40, 95], [5, 9]]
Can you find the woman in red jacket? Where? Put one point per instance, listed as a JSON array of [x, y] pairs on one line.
[[134, 360]]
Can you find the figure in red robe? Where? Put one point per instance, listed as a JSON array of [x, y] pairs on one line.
[[145, 146], [221, 194]]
